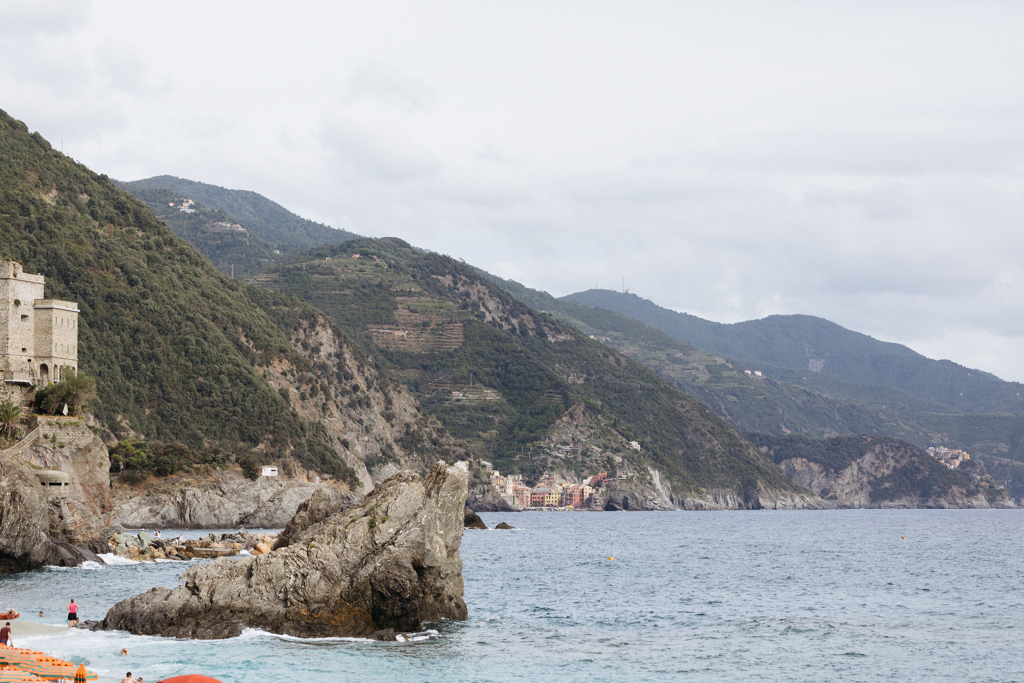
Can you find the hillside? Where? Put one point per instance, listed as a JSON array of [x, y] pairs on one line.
[[182, 353], [233, 228], [869, 471], [773, 406], [519, 387], [232, 248], [790, 347]]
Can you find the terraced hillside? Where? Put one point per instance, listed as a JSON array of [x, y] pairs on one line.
[[500, 376]]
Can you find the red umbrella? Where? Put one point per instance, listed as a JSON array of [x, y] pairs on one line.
[[189, 678]]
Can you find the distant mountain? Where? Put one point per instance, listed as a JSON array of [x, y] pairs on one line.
[[820, 355], [238, 230], [774, 406]]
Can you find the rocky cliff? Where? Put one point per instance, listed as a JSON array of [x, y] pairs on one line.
[[23, 519], [880, 472], [391, 562], [85, 516], [219, 500]]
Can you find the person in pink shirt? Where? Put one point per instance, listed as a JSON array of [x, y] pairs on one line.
[[72, 614]]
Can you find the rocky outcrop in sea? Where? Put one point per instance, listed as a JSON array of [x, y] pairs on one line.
[[390, 563]]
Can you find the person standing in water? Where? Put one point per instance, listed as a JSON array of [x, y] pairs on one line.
[[72, 614], [5, 635]]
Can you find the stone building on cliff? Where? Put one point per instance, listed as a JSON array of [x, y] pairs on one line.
[[38, 336]]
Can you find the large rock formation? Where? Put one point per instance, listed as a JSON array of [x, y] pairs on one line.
[[222, 500], [23, 519], [392, 562], [85, 515]]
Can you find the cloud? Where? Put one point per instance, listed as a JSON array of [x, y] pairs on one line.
[[865, 165], [357, 149], [390, 85]]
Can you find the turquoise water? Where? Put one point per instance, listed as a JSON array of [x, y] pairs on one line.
[[859, 595]]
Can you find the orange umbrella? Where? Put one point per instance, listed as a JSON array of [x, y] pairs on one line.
[[80, 675], [189, 678]]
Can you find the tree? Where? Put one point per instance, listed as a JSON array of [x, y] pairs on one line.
[[75, 391], [10, 413]]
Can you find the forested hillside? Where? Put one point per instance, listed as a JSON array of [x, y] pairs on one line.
[[231, 247], [789, 346], [263, 218], [180, 352], [517, 386]]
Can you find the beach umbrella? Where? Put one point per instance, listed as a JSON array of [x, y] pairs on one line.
[[189, 678], [80, 675]]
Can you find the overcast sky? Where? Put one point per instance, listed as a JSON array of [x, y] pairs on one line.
[[859, 161]]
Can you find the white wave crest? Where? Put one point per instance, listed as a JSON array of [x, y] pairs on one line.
[[112, 558]]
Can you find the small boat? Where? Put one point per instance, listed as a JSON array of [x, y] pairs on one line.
[[9, 614]]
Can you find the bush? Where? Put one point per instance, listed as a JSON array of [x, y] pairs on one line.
[[75, 392], [161, 459]]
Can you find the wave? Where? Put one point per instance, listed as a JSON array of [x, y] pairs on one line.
[[257, 634], [112, 558]]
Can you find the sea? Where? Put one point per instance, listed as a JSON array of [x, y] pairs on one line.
[[840, 595]]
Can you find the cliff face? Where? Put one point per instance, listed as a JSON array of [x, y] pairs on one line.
[[391, 562], [23, 519], [878, 472], [86, 515], [369, 419], [221, 500]]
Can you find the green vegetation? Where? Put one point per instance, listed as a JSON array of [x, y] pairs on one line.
[[784, 345], [772, 406], [137, 460], [263, 218], [10, 414], [178, 350], [232, 250], [499, 375], [74, 392]]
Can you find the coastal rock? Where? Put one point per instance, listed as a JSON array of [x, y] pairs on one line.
[[503, 525], [224, 499], [61, 554], [23, 519], [392, 562], [483, 497], [471, 520], [314, 510], [85, 515]]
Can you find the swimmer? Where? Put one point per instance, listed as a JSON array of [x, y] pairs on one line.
[[124, 651]]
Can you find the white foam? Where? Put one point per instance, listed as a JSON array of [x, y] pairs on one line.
[[89, 564], [113, 558], [252, 633]]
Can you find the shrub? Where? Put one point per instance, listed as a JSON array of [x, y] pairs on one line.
[[75, 392]]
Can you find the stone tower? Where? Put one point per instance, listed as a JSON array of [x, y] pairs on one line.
[[38, 337]]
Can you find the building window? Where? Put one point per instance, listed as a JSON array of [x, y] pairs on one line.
[[24, 318]]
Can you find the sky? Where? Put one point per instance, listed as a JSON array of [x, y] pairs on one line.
[[858, 161]]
